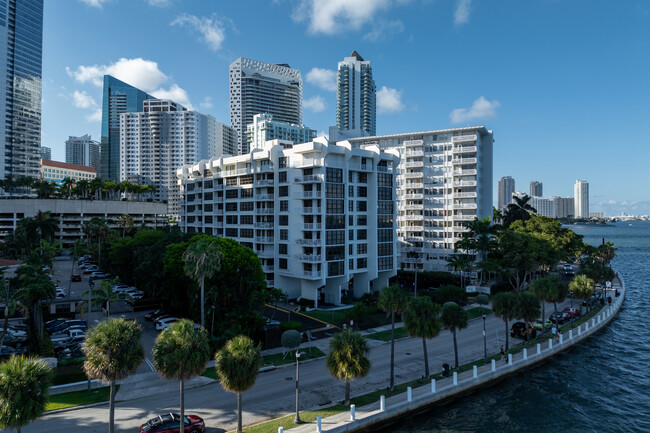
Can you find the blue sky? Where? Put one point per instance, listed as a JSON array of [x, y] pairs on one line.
[[562, 83]]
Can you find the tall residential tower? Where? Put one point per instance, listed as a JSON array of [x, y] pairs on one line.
[[355, 97], [581, 199], [536, 189], [82, 151], [506, 188]]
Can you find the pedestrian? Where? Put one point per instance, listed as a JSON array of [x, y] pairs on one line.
[[503, 353], [554, 332], [559, 332]]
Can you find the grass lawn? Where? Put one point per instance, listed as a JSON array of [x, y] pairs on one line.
[[473, 313], [211, 373], [334, 317], [79, 398], [385, 335], [306, 353], [370, 318], [287, 421], [69, 374]]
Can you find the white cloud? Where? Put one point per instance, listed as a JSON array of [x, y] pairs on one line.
[[96, 116], [315, 104], [176, 94], [159, 3], [138, 72], [95, 3], [480, 109], [461, 14], [206, 103], [323, 78], [212, 29], [389, 100], [384, 29], [333, 16], [83, 100]]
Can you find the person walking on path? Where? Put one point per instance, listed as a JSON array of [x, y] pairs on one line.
[[554, 332], [503, 353]]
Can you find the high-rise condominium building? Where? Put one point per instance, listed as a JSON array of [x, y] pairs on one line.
[[544, 206], [320, 216], [506, 188], [46, 152], [257, 87], [581, 199], [355, 97], [226, 140], [83, 151], [264, 129], [21, 55], [155, 142], [119, 98], [536, 189], [564, 207], [444, 182]]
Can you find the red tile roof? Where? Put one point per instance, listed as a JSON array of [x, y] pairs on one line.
[[7, 262], [57, 164]]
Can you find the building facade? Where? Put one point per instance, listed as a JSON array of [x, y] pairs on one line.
[[544, 206], [21, 56], [226, 138], [356, 101], [155, 142], [444, 182], [55, 171], [82, 151], [257, 87], [536, 189], [264, 128], [46, 152], [506, 188], [320, 216], [564, 207], [581, 199], [119, 98]]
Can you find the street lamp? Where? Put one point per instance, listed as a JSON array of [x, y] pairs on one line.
[[484, 342], [297, 418], [212, 328]]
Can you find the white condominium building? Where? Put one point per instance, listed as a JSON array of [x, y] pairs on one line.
[[581, 199], [320, 216], [505, 190], [83, 151], [544, 206], [264, 129], [564, 207], [154, 143], [444, 182]]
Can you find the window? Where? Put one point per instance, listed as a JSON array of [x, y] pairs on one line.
[[362, 234], [334, 221], [283, 263], [231, 219], [335, 206], [282, 163], [362, 191], [231, 233], [232, 193], [384, 179], [351, 264], [283, 249], [231, 207], [351, 191], [207, 207], [384, 221], [283, 191], [284, 206], [384, 235], [335, 237], [385, 208], [207, 196], [385, 249], [362, 263], [246, 193], [350, 235], [231, 181], [335, 268], [363, 177], [362, 220], [282, 177], [362, 206], [246, 180], [284, 234], [384, 194], [362, 248], [333, 190], [284, 220], [246, 219], [208, 184], [246, 233], [385, 263], [334, 175], [246, 206]]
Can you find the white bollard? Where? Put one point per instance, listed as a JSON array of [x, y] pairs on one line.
[[280, 430], [433, 386], [409, 394], [561, 338], [587, 326], [525, 353], [509, 358], [593, 322], [599, 318], [382, 403], [579, 330], [494, 365], [455, 378], [570, 334], [319, 428], [550, 343], [352, 412], [475, 368], [539, 348]]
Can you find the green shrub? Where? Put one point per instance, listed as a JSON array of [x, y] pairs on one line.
[[370, 299], [308, 303], [285, 326], [71, 361], [47, 350], [503, 286]]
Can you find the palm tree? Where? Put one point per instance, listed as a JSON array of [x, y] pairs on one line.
[[238, 364], [392, 300], [559, 293], [102, 295], [518, 209], [421, 320], [98, 228], [82, 188], [96, 187], [24, 390], [454, 318], [35, 287], [66, 185], [582, 287], [181, 352], [348, 358], [527, 309], [113, 351], [45, 226], [202, 260], [544, 289], [504, 306], [9, 299], [48, 251], [126, 222], [459, 262]]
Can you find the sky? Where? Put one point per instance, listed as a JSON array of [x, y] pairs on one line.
[[563, 84]]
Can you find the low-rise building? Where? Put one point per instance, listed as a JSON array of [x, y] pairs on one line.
[[264, 129], [55, 171]]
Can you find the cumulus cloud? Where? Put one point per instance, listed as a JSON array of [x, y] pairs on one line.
[[383, 30], [333, 16], [315, 104], [461, 14], [138, 72], [211, 29], [389, 100], [323, 78], [83, 99], [159, 3], [95, 116], [480, 109], [176, 94], [95, 3]]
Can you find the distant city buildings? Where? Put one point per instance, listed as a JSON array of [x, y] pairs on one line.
[[506, 188], [55, 171], [536, 189], [596, 214], [21, 56], [158, 140], [257, 87], [356, 103], [82, 151], [46, 152], [544, 206], [581, 199], [564, 207], [119, 97], [264, 128]]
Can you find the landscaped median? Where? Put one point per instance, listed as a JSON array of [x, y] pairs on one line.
[[78, 398]]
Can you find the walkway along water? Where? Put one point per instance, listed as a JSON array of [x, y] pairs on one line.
[[414, 400]]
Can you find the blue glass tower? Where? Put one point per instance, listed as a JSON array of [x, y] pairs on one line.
[[119, 97], [21, 56]]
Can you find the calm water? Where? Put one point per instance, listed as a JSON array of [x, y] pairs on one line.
[[602, 385]]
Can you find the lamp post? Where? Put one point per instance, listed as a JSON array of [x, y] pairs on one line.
[[212, 327], [297, 418], [484, 342]]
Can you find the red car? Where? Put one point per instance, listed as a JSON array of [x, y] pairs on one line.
[[76, 277], [573, 313], [169, 423]]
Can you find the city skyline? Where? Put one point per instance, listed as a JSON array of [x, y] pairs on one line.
[[184, 62]]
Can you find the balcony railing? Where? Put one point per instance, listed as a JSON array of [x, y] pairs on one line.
[[309, 242], [264, 240], [308, 195], [463, 217], [264, 197], [309, 162], [313, 210], [413, 175], [265, 211], [414, 164], [264, 182], [265, 253], [464, 161], [463, 138], [310, 178], [464, 206], [413, 196], [464, 183], [464, 195], [264, 225], [413, 154], [311, 258], [410, 143], [468, 172], [464, 149], [312, 274]]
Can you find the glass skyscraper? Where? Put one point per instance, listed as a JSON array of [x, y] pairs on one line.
[[21, 55], [119, 98], [355, 97]]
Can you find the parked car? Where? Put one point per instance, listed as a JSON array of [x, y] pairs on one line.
[[539, 325], [121, 289], [568, 270], [560, 319], [164, 323], [54, 325], [76, 277], [91, 269], [100, 276], [518, 330], [154, 315], [573, 313], [134, 295], [7, 351], [170, 423]]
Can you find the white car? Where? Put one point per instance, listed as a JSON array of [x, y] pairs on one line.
[[162, 324], [135, 294], [60, 292], [121, 289]]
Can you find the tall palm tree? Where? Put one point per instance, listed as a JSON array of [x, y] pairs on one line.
[[126, 222], [518, 209], [104, 294], [582, 287], [459, 262], [544, 289], [480, 231], [202, 260], [48, 250], [45, 226], [24, 390], [181, 352], [454, 318], [66, 185], [9, 299], [392, 300], [35, 287], [527, 309], [97, 228], [113, 351], [96, 187], [238, 364], [421, 320], [82, 188], [348, 358], [504, 306]]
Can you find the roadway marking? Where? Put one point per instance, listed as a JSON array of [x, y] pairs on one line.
[[150, 364]]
